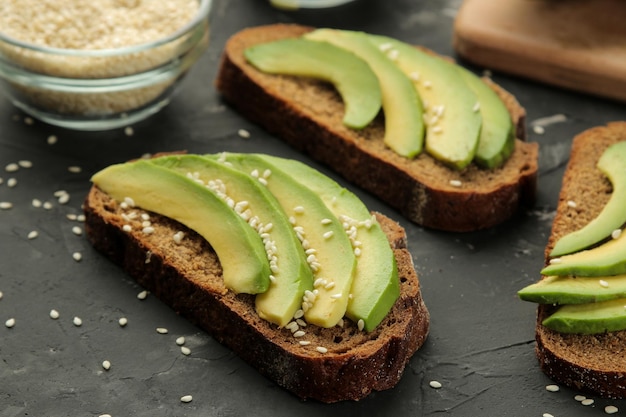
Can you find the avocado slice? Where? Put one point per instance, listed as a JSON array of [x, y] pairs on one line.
[[453, 124], [592, 318], [606, 259], [574, 290], [322, 235], [497, 136], [376, 286], [290, 273], [171, 194], [612, 216], [351, 76], [404, 125]]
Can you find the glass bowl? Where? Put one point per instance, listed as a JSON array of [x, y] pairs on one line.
[[100, 89]]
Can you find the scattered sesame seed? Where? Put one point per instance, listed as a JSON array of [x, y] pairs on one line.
[[36, 203], [33, 234], [580, 398], [243, 133], [185, 350], [24, 163], [5, 205], [104, 415], [12, 167], [328, 234], [142, 295], [321, 349], [587, 401], [127, 228], [54, 314], [552, 388], [180, 341], [476, 107], [1, 295], [299, 314], [161, 330], [427, 84], [10, 323], [64, 198], [74, 169], [603, 283], [540, 130], [148, 230], [304, 342], [71, 216], [555, 261], [11, 182], [435, 384], [414, 76], [571, 204], [129, 131], [123, 321], [77, 256], [456, 183], [77, 230], [28, 120], [615, 234], [47, 205], [80, 218], [436, 129], [52, 139], [106, 365], [336, 296], [298, 209], [299, 333], [186, 398], [547, 415], [611, 409], [360, 324], [393, 54], [77, 321]]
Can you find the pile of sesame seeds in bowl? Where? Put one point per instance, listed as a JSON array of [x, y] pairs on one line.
[[97, 65]]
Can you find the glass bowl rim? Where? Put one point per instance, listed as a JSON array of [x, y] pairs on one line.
[[198, 18]]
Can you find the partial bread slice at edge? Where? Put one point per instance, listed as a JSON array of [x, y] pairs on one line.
[[589, 363], [307, 115], [187, 277]]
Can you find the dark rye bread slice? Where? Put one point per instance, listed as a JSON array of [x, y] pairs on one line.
[[307, 114], [187, 277], [590, 363]]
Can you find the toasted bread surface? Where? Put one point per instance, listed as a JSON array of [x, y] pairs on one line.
[[187, 277], [591, 363], [307, 114]]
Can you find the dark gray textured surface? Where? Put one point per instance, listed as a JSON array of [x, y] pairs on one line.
[[481, 342]]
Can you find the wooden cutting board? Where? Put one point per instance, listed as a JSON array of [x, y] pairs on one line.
[[576, 44]]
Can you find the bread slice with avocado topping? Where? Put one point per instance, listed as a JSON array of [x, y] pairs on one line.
[[307, 114], [326, 364], [593, 363]]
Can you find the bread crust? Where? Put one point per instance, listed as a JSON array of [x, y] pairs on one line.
[[187, 277], [589, 363], [307, 114]]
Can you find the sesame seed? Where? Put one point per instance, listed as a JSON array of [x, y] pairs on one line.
[[436, 129], [54, 314], [555, 261], [393, 54], [25, 163], [52, 139], [1, 295], [129, 131], [186, 398], [328, 234], [547, 415], [47, 205], [142, 295], [123, 321], [74, 169], [321, 349], [10, 323], [180, 341], [11, 182], [385, 47], [161, 330], [64, 199], [77, 321], [552, 388], [580, 398], [571, 204], [476, 107], [12, 167], [127, 228], [106, 365], [435, 384], [33, 234], [104, 415], [304, 342], [587, 401], [360, 324], [603, 283], [29, 121], [615, 234], [243, 133], [299, 333], [298, 209], [326, 221], [77, 230], [611, 409], [185, 350], [148, 230], [5, 205], [80, 218], [178, 237], [336, 296], [427, 84], [540, 130], [77, 256], [456, 183], [414, 76]]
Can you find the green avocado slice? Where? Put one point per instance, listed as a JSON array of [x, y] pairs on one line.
[[321, 233], [376, 286], [606, 259], [290, 273], [351, 76], [592, 318], [453, 123], [571, 290], [171, 194], [497, 136], [612, 163], [404, 125]]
